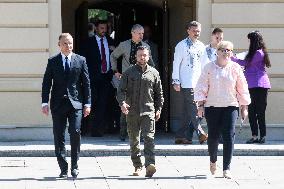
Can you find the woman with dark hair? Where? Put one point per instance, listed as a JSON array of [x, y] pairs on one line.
[[258, 83]]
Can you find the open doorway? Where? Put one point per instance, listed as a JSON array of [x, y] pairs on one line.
[[122, 15]]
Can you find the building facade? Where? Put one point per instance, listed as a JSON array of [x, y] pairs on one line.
[[29, 31]]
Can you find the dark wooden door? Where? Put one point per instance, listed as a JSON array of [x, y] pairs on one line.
[[81, 25]]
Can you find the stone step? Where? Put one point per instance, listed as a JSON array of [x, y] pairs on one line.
[[28, 133], [111, 146]]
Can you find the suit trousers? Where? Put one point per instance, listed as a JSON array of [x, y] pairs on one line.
[[60, 116], [256, 110], [190, 122], [102, 107], [135, 125], [221, 121]]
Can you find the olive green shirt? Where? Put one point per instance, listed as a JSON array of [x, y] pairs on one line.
[[142, 91]]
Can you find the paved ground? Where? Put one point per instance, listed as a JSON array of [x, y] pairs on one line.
[[110, 145], [113, 172]]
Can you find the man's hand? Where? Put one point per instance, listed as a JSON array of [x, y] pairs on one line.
[[176, 87], [45, 110], [124, 108], [157, 115], [200, 111], [86, 111], [118, 75], [244, 111]]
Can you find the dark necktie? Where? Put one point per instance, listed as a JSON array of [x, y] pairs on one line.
[[66, 73], [67, 68], [103, 53]]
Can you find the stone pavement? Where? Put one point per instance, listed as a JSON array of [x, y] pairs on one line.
[[110, 145], [114, 172]]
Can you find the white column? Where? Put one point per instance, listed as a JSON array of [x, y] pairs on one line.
[[204, 16], [54, 25]]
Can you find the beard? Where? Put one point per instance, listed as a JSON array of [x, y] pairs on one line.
[[142, 63]]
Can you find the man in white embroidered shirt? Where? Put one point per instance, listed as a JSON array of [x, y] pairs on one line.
[[189, 58]]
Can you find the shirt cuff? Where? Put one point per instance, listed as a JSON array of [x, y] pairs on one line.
[[176, 81], [87, 105], [44, 104]]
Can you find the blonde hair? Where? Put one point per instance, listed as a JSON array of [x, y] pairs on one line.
[[225, 45]]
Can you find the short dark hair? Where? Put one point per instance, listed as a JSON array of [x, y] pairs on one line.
[[98, 22], [193, 24], [217, 30]]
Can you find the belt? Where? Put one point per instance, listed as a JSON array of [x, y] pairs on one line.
[[65, 97]]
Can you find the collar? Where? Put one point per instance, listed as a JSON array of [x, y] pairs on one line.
[[188, 42], [68, 56], [99, 38], [132, 42], [140, 68], [226, 66]]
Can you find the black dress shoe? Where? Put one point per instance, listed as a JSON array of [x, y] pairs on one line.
[[261, 140], [63, 174], [74, 173], [252, 141], [182, 141]]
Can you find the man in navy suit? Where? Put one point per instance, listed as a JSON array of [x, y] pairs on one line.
[[67, 77], [97, 51]]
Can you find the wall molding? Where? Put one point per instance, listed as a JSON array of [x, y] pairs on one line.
[[276, 76], [23, 25], [247, 25], [247, 1], [23, 1], [19, 76], [23, 50], [268, 50]]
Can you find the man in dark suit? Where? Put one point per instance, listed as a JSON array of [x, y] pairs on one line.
[[67, 76], [97, 52]]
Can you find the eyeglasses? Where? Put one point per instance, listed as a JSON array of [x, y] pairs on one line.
[[225, 50]]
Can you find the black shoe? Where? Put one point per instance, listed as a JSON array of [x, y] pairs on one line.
[[252, 140], [261, 140], [75, 173], [182, 141], [63, 174]]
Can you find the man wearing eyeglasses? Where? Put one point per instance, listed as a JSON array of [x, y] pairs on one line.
[[189, 58]]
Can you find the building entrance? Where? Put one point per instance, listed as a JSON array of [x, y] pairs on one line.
[[122, 15]]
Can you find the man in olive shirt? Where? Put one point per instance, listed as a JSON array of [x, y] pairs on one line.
[[140, 97], [127, 50]]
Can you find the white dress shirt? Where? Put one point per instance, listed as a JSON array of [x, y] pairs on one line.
[[189, 59], [69, 59]]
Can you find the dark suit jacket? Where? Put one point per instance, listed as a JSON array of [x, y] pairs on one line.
[[91, 51], [77, 82]]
